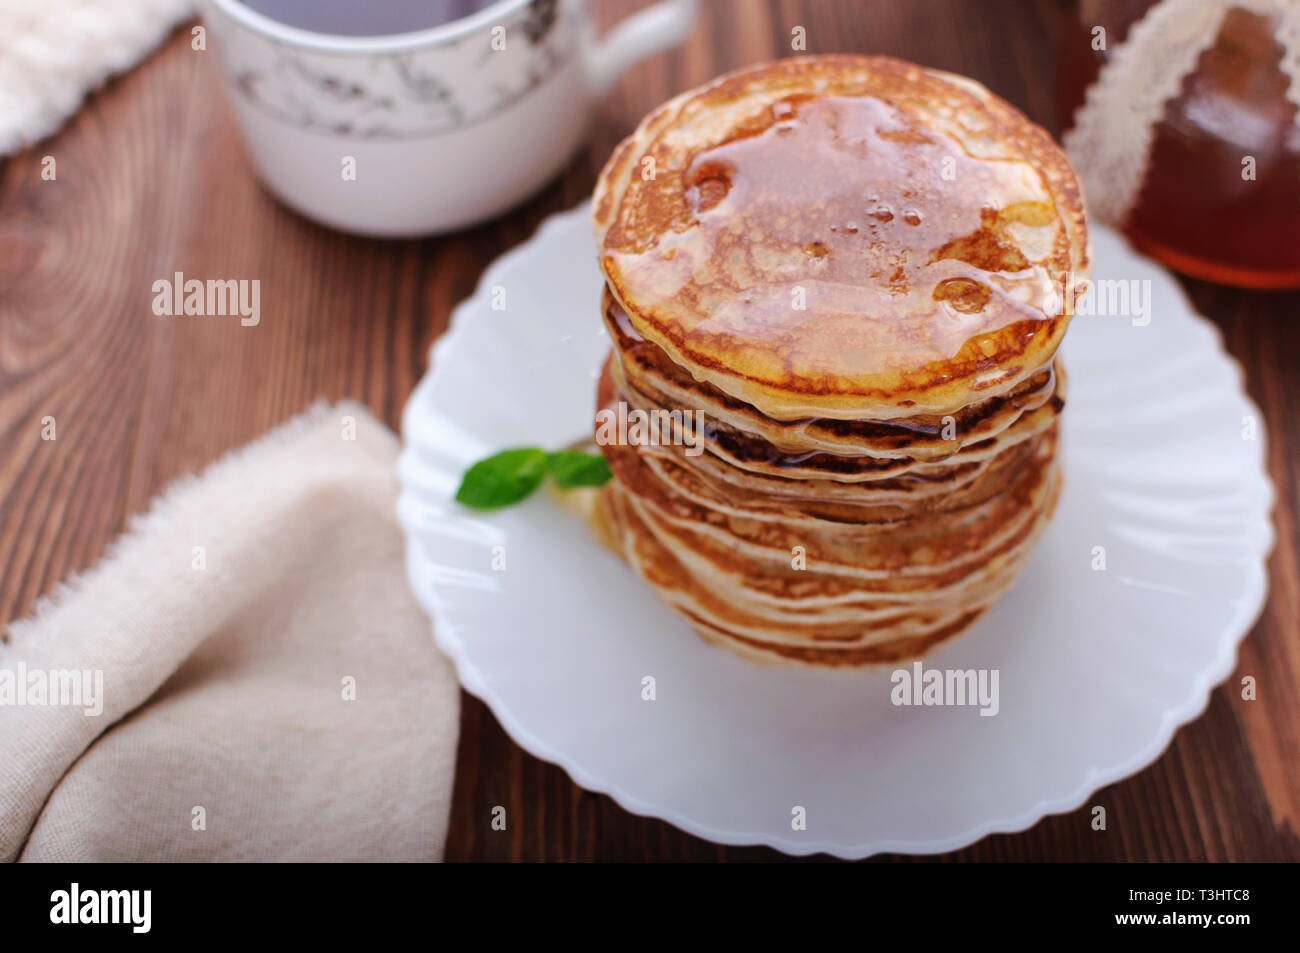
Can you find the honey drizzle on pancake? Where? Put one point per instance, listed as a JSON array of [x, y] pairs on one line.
[[854, 201]]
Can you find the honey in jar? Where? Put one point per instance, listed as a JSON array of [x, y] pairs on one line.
[[1207, 178]]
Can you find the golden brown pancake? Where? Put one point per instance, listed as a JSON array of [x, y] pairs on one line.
[[649, 379], [860, 637], [835, 282], [843, 237]]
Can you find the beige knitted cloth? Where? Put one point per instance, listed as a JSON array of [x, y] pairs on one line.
[[269, 688], [52, 52]]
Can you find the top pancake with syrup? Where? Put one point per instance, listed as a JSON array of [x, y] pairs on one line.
[[843, 236]]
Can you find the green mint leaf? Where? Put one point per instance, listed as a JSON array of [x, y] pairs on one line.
[[503, 478], [570, 469]]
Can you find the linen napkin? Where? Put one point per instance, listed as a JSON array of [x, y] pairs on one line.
[[269, 687], [52, 52]]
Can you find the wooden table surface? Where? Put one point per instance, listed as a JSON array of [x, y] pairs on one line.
[[152, 179]]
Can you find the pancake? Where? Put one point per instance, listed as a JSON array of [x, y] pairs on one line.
[[859, 637], [857, 478], [843, 237], [765, 451], [646, 375], [768, 480]]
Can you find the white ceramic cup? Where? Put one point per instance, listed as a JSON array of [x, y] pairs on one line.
[[428, 131]]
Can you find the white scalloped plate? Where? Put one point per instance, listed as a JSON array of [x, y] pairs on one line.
[[1096, 668]]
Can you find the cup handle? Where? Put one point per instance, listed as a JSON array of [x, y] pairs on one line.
[[664, 25]]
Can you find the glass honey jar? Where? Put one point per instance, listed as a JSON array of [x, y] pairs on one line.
[[1181, 117]]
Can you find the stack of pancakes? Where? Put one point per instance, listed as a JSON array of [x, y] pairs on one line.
[[856, 268]]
